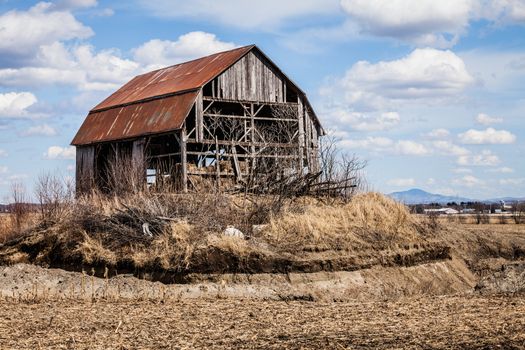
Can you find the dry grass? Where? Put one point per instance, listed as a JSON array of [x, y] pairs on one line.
[[368, 219], [181, 233], [9, 229], [451, 322]]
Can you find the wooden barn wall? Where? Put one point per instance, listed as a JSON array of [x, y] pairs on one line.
[[85, 170], [252, 79]]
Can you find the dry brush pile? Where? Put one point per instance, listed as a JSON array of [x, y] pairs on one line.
[[184, 233]]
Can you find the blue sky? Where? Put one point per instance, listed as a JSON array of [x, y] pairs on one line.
[[430, 93]]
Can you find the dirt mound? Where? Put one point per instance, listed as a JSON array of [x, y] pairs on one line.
[[154, 235], [30, 282]]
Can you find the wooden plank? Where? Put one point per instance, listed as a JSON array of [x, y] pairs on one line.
[[242, 156], [139, 162], [245, 144], [236, 166], [248, 118], [199, 116], [252, 78], [300, 139], [231, 100], [217, 165], [85, 169], [184, 159]]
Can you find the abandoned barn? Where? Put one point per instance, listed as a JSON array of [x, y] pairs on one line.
[[221, 119]]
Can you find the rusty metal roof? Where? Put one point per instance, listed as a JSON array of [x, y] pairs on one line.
[[180, 77], [158, 101], [133, 120]]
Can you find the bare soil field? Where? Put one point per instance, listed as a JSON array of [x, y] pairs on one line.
[[467, 322]]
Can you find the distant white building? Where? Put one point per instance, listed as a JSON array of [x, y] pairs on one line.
[[442, 211]]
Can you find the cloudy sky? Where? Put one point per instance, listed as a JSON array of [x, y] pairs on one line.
[[430, 93]]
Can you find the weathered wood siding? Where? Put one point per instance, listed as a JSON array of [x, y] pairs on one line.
[[251, 79], [85, 170]]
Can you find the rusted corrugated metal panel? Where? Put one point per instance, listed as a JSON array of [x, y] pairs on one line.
[[181, 77], [154, 116]]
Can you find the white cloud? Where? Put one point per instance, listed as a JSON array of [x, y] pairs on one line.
[[261, 15], [462, 170], [15, 104], [361, 121], [4, 181], [423, 75], [407, 147], [386, 145], [486, 119], [438, 133], [469, 181], [23, 32], [424, 22], [502, 11], [40, 130], [513, 182], [503, 170], [431, 181], [3, 169], [82, 66], [448, 148], [3, 153], [402, 182], [485, 158], [57, 152], [429, 22], [160, 53], [373, 143], [446, 191], [488, 136]]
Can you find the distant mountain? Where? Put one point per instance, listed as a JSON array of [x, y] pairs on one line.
[[417, 196]]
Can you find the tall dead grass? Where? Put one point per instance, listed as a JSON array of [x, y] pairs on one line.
[[368, 219], [177, 231]]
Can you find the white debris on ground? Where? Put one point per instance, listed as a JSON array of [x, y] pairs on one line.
[[233, 232]]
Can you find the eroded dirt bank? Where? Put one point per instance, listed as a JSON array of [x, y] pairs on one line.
[[30, 282]]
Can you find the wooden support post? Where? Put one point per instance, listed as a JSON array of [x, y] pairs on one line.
[[199, 124], [184, 160], [139, 163], [300, 121], [252, 138], [85, 169], [217, 165], [236, 166]]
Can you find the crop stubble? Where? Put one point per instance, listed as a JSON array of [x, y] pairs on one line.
[[466, 321]]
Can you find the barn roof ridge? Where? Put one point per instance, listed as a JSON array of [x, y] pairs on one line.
[[200, 58]]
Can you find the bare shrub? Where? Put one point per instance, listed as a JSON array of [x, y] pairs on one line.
[[341, 173], [518, 212], [55, 195], [19, 204], [432, 220]]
